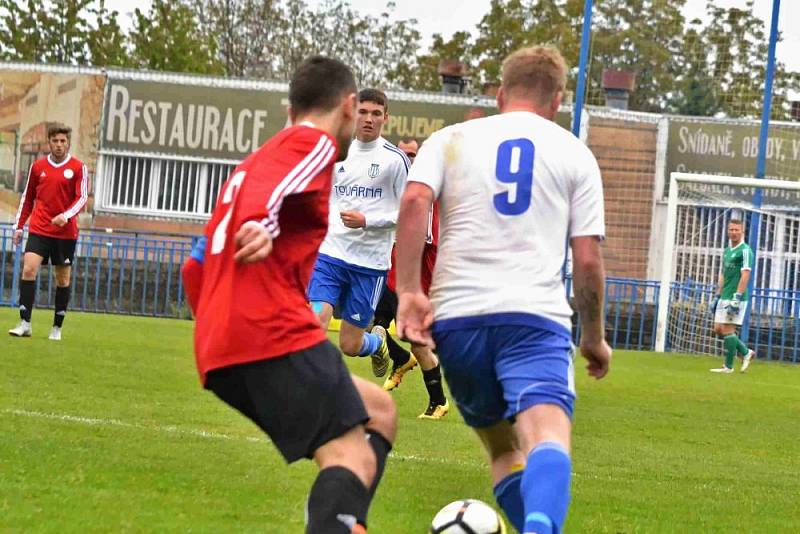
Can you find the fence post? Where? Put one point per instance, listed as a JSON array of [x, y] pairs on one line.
[[761, 161], [580, 88]]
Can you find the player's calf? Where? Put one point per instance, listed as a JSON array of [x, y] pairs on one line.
[[339, 499], [382, 425]]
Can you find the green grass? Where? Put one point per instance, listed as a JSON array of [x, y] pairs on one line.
[[109, 430]]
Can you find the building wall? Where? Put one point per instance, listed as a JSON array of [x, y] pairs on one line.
[[31, 101], [123, 222], [626, 151], [625, 145]]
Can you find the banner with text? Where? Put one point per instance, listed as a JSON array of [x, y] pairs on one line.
[[717, 147], [229, 123]]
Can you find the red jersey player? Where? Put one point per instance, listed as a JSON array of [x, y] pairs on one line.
[[402, 360], [55, 193], [258, 345]]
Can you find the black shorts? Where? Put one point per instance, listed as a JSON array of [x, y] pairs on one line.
[[55, 251], [386, 311], [301, 401]]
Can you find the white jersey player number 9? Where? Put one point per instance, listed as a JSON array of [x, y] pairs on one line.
[[228, 196], [515, 166]]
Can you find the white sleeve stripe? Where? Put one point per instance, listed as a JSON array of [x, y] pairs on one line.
[[325, 160], [298, 185], [299, 169], [272, 216], [308, 174], [22, 199], [76, 208]]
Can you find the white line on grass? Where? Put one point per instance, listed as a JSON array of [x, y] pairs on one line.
[[93, 421], [116, 422]]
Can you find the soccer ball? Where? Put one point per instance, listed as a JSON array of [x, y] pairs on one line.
[[467, 516]]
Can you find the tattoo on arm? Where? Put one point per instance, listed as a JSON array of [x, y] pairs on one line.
[[588, 303]]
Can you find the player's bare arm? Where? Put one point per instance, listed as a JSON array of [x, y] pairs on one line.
[[17, 238], [414, 311], [588, 283], [743, 281], [253, 242], [353, 219]]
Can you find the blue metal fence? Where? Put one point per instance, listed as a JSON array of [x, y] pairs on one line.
[[631, 312], [774, 331], [775, 324], [129, 273], [139, 274]]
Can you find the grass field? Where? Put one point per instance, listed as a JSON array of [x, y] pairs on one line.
[[109, 431]]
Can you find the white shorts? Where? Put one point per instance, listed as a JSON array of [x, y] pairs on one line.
[[721, 315]]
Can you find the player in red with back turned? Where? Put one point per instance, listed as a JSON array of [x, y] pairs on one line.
[[386, 312], [56, 192], [258, 345]]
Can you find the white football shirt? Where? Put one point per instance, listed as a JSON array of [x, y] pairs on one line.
[[370, 180], [512, 189]]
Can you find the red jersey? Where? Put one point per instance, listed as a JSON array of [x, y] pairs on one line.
[[53, 189], [257, 311], [428, 254]]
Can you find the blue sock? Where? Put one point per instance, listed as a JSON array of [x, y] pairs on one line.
[[545, 488], [370, 344], [508, 496]]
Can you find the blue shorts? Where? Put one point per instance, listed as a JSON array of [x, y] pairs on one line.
[[500, 365], [356, 290]]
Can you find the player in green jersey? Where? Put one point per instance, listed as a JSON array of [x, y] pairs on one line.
[[732, 297]]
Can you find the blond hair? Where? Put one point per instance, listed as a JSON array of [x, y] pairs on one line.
[[537, 72]]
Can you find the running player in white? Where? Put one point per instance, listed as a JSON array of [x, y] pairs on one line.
[[512, 190], [356, 254]]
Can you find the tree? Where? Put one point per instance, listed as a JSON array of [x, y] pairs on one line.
[[20, 35], [500, 32], [722, 67], [269, 38], [106, 41], [78, 32], [695, 91], [67, 32], [512, 24], [380, 50], [383, 50], [643, 36], [169, 38], [246, 32], [426, 75], [293, 43]]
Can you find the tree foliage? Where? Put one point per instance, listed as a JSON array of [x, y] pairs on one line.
[[426, 75], [729, 56], [708, 67], [76, 32], [246, 32], [168, 38]]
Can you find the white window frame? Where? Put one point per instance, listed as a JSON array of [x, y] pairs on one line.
[[207, 170]]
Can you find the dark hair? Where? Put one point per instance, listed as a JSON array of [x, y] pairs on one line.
[[374, 95], [736, 221], [58, 128], [318, 84]]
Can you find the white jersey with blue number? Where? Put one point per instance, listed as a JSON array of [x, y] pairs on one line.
[[512, 189], [371, 180]]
